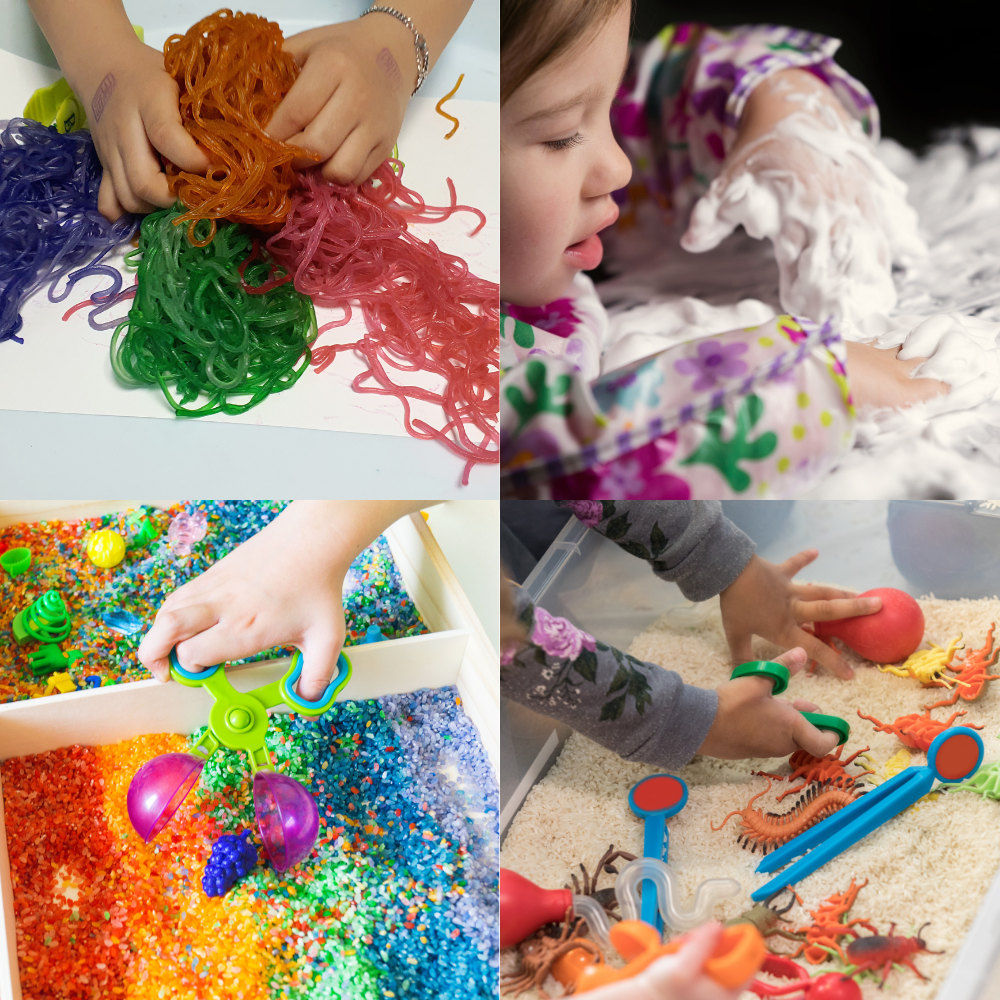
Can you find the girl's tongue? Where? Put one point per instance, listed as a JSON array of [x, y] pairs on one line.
[[586, 254]]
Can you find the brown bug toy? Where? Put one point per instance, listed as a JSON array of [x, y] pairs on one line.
[[872, 953]]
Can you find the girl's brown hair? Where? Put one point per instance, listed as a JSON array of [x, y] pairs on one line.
[[534, 32]]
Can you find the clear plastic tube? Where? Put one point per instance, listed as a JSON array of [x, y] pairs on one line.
[[597, 920], [662, 876]]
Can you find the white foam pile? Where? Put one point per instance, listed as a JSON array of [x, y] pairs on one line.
[[827, 263]]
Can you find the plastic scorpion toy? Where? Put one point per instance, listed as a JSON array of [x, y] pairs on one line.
[[541, 951], [985, 782], [972, 679], [829, 770], [827, 929], [928, 665], [916, 731], [766, 917], [869, 953]]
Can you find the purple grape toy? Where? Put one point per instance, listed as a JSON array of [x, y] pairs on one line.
[[233, 857]]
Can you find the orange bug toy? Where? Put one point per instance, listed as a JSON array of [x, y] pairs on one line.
[[738, 955], [827, 929], [916, 731], [972, 679], [828, 770], [868, 953], [770, 830]]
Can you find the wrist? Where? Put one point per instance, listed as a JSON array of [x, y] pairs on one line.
[[392, 33]]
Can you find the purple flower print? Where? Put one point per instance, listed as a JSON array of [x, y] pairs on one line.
[[559, 638], [637, 474], [557, 317], [590, 512], [715, 361]]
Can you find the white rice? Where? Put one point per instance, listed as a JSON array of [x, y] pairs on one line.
[[935, 862]]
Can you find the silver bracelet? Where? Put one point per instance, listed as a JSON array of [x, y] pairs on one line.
[[419, 42]]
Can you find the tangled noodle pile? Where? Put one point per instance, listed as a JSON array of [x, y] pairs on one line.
[[202, 325], [232, 74], [48, 214], [423, 310]]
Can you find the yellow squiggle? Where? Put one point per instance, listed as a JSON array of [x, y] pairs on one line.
[[444, 114]]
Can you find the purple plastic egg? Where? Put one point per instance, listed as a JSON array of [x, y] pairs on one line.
[[158, 789], [286, 816]]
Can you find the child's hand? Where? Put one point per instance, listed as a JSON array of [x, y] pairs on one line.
[[751, 722], [802, 174], [679, 976], [281, 587], [763, 601], [348, 102], [879, 378], [133, 113]]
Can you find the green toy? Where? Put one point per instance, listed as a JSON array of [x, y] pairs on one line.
[[44, 621], [239, 720], [49, 658], [141, 531], [778, 675], [16, 561], [985, 783]]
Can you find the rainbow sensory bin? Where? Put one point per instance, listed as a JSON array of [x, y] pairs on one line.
[[399, 895]]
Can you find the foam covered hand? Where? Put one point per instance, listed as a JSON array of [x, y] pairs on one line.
[[751, 722], [803, 175], [348, 102], [680, 976], [763, 601], [133, 115]]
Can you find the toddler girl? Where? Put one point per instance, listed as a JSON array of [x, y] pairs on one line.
[[778, 138]]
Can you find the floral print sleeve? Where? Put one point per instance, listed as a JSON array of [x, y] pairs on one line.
[[680, 105], [687, 542], [638, 710]]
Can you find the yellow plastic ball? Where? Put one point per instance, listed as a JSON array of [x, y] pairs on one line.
[[106, 548]]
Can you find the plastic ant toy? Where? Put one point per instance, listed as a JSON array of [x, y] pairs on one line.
[[928, 665], [916, 731], [832, 986], [972, 678], [869, 953], [829, 770]]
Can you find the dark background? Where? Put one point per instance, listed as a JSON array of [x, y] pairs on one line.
[[927, 70]]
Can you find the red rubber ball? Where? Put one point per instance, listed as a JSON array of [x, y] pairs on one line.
[[888, 636]]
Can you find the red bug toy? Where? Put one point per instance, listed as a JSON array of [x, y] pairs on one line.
[[832, 986], [874, 952], [828, 770]]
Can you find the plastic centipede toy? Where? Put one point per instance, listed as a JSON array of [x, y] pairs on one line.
[[771, 830]]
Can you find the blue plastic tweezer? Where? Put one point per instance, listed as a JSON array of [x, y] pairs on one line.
[[955, 755]]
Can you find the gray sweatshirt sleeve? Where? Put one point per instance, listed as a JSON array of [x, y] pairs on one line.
[[687, 542], [639, 710]]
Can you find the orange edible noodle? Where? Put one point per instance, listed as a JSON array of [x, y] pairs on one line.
[[232, 74]]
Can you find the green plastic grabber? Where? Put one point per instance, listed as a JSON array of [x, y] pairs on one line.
[[778, 674]]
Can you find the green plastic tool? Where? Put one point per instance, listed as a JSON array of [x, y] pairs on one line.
[[779, 674]]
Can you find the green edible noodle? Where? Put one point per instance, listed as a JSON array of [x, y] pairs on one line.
[[197, 333]]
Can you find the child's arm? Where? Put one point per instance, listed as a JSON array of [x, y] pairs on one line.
[[357, 77], [131, 102], [281, 587], [642, 712], [675, 977], [692, 543]]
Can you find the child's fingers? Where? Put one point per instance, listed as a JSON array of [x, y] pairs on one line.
[[827, 610], [794, 564], [319, 664], [815, 741], [707, 228], [107, 201], [375, 158], [171, 627], [794, 659], [823, 654], [345, 165], [310, 94], [162, 122]]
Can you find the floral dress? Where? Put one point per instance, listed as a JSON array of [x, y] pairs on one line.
[[760, 411]]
